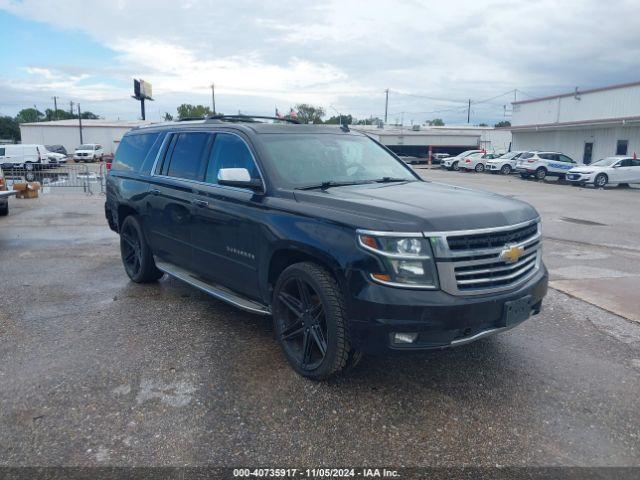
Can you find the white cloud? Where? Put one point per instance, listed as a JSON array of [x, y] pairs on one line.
[[347, 52]]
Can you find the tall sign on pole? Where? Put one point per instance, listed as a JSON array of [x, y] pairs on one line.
[[141, 92]]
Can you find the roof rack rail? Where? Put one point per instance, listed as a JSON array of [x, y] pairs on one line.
[[248, 118], [190, 119]]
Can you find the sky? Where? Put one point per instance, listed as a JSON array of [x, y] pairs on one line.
[[339, 54]]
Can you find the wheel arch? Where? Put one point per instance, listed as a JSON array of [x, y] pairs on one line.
[[286, 255]]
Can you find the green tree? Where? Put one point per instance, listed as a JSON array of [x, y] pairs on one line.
[[89, 115], [346, 120], [483, 125], [186, 110], [58, 115], [504, 123], [9, 129], [168, 117], [309, 113], [28, 115], [436, 122]]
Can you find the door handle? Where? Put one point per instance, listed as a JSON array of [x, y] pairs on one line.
[[155, 191], [200, 203]]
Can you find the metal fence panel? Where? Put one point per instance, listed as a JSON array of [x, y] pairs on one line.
[[62, 178]]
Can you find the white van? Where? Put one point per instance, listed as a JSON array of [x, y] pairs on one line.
[[28, 157]]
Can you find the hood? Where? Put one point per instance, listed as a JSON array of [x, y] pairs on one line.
[[587, 168], [415, 206]]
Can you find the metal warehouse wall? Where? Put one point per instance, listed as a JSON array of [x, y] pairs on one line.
[[571, 142], [614, 103], [68, 136]]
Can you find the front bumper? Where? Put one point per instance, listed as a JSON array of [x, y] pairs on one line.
[[441, 320], [579, 177]]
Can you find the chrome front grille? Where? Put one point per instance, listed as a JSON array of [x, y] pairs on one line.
[[471, 262]]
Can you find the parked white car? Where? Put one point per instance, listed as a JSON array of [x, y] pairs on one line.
[[88, 152], [504, 164], [477, 161], [543, 164], [56, 158], [24, 156], [617, 169], [453, 163]]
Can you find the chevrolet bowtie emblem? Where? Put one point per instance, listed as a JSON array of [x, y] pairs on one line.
[[512, 254]]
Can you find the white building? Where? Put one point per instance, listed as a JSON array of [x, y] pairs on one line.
[[67, 132], [416, 140], [586, 125]]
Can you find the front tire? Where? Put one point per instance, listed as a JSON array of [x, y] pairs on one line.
[[4, 210], [135, 252], [455, 166], [506, 169], [310, 322], [601, 180]]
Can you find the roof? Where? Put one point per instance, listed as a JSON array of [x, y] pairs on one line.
[[581, 92], [254, 127], [89, 123]]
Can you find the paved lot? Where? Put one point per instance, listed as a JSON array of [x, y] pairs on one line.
[[96, 370]]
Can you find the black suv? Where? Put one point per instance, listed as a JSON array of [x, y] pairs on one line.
[[326, 230]]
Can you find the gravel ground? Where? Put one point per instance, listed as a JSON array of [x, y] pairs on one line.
[[96, 370]]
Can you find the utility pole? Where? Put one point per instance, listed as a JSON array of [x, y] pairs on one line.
[[55, 107], [213, 98], [469, 112], [386, 104], [142, 108], [80, 123], [70, 107]]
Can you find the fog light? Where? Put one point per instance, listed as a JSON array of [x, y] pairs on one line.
[[405, 337]]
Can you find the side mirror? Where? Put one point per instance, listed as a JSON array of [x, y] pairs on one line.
[[238, 177]]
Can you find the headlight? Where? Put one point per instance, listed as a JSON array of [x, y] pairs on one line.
[[408, 260]]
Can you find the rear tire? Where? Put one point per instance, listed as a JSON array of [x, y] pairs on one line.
[[601, 180], [480, 168], [506, 169], [4, 210], [541, 173], [135, 252], [310, 322]]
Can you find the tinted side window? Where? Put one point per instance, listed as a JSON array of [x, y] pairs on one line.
[[2, 151], [132, 151], [627, 162], [564, 158], [186, 158], [527, 155], [229, 151]]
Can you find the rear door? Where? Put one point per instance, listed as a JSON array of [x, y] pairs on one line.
[[169, 213], [635, 171], [225, 231]]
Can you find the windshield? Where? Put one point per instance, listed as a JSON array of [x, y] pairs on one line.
[[605, 162], [85, 147], [307, 160]]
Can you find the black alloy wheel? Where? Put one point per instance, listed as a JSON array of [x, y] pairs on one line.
[[310, 322], [136, 254], [304, 332]]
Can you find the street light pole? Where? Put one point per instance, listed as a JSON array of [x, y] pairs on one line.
[[213, 98]]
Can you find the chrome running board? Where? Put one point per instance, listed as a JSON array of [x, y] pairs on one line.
[[217, 291]]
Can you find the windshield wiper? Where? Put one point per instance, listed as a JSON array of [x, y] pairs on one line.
[[392, 179], [330, 183]]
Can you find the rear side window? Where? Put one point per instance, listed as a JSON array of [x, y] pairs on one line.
[[187, 156], [132, 151], [2, 152]]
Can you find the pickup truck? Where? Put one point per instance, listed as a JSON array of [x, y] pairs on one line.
[[328, 232]]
